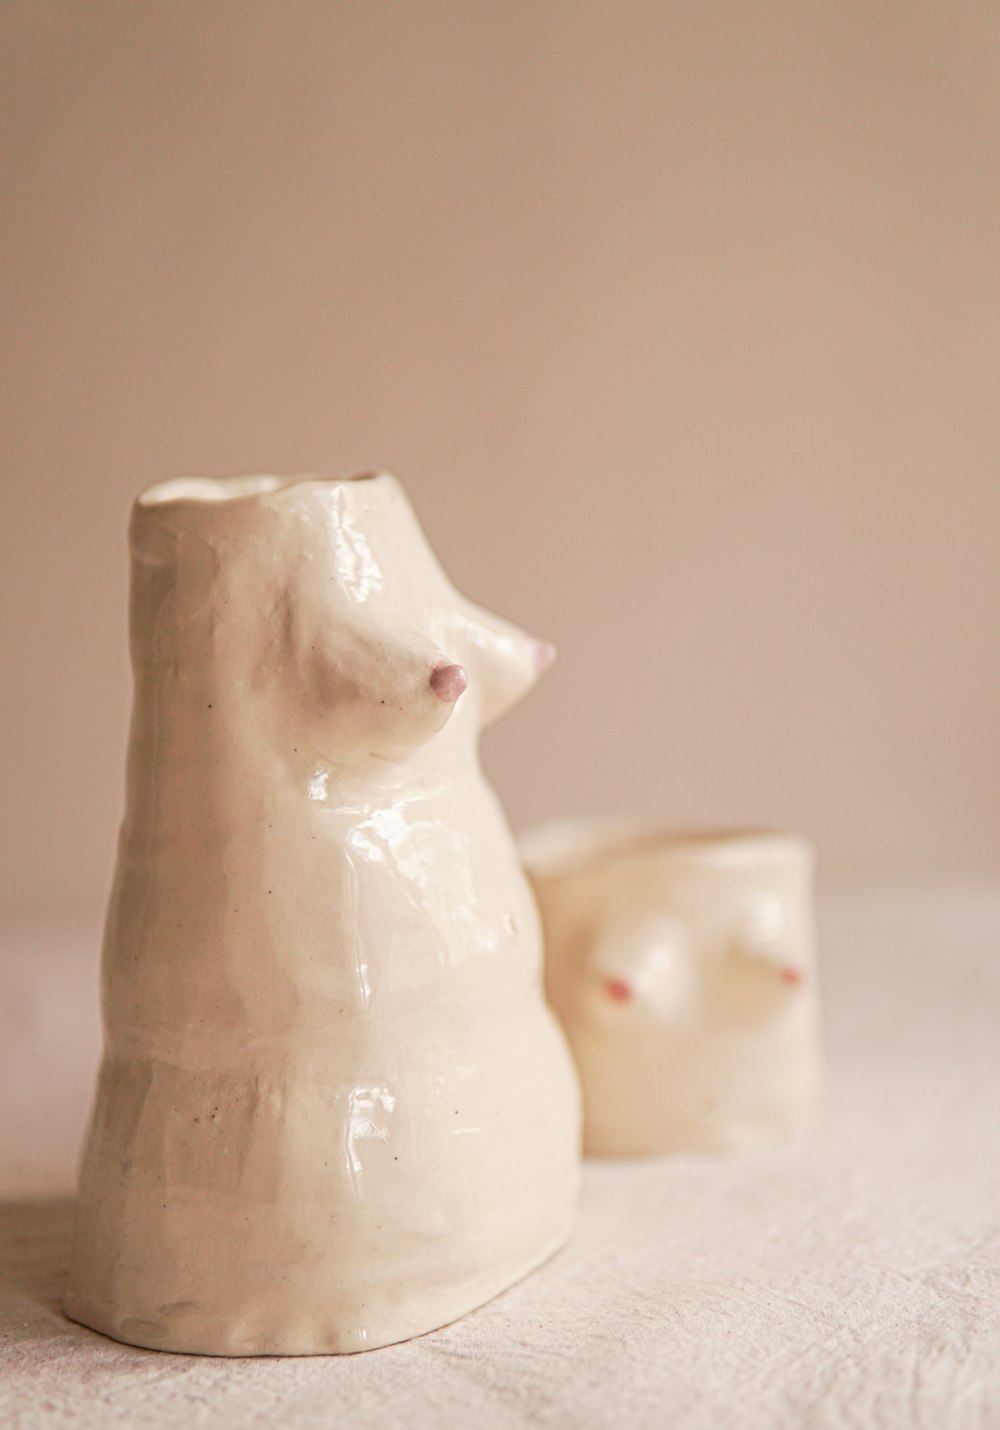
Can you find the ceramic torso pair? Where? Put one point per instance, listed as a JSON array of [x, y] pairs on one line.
[[334, 1111], [683, 968]]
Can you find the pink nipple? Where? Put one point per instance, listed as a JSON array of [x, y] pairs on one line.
[[618, 990], [789, 975], [448, 681], [545, 653]]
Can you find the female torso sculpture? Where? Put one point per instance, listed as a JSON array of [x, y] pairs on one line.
[[333, 1111]]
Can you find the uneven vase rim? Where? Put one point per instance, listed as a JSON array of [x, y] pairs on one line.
[[215, 490], [568, 847]]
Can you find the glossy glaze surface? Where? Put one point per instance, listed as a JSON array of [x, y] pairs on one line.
[[318, 1125], [683, 968]]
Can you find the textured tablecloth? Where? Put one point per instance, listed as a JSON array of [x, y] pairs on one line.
[[852, 1280]]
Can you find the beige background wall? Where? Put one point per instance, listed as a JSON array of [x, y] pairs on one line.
[[681, 321]]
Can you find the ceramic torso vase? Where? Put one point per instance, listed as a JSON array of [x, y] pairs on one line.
[[334, 1111], [683, 968]]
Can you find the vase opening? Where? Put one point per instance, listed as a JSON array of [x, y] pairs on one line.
[[223, 489], [565, 847]]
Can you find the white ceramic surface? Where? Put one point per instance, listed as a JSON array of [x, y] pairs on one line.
[[334, 1111], [683, 968]]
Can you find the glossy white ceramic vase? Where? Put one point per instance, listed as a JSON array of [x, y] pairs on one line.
[[334, 1111], [683, 969]]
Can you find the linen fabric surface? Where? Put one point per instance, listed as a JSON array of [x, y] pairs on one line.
[[850, 1280]]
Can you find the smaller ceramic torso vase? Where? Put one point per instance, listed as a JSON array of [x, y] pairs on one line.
[[334, 1111], [683, 969]]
